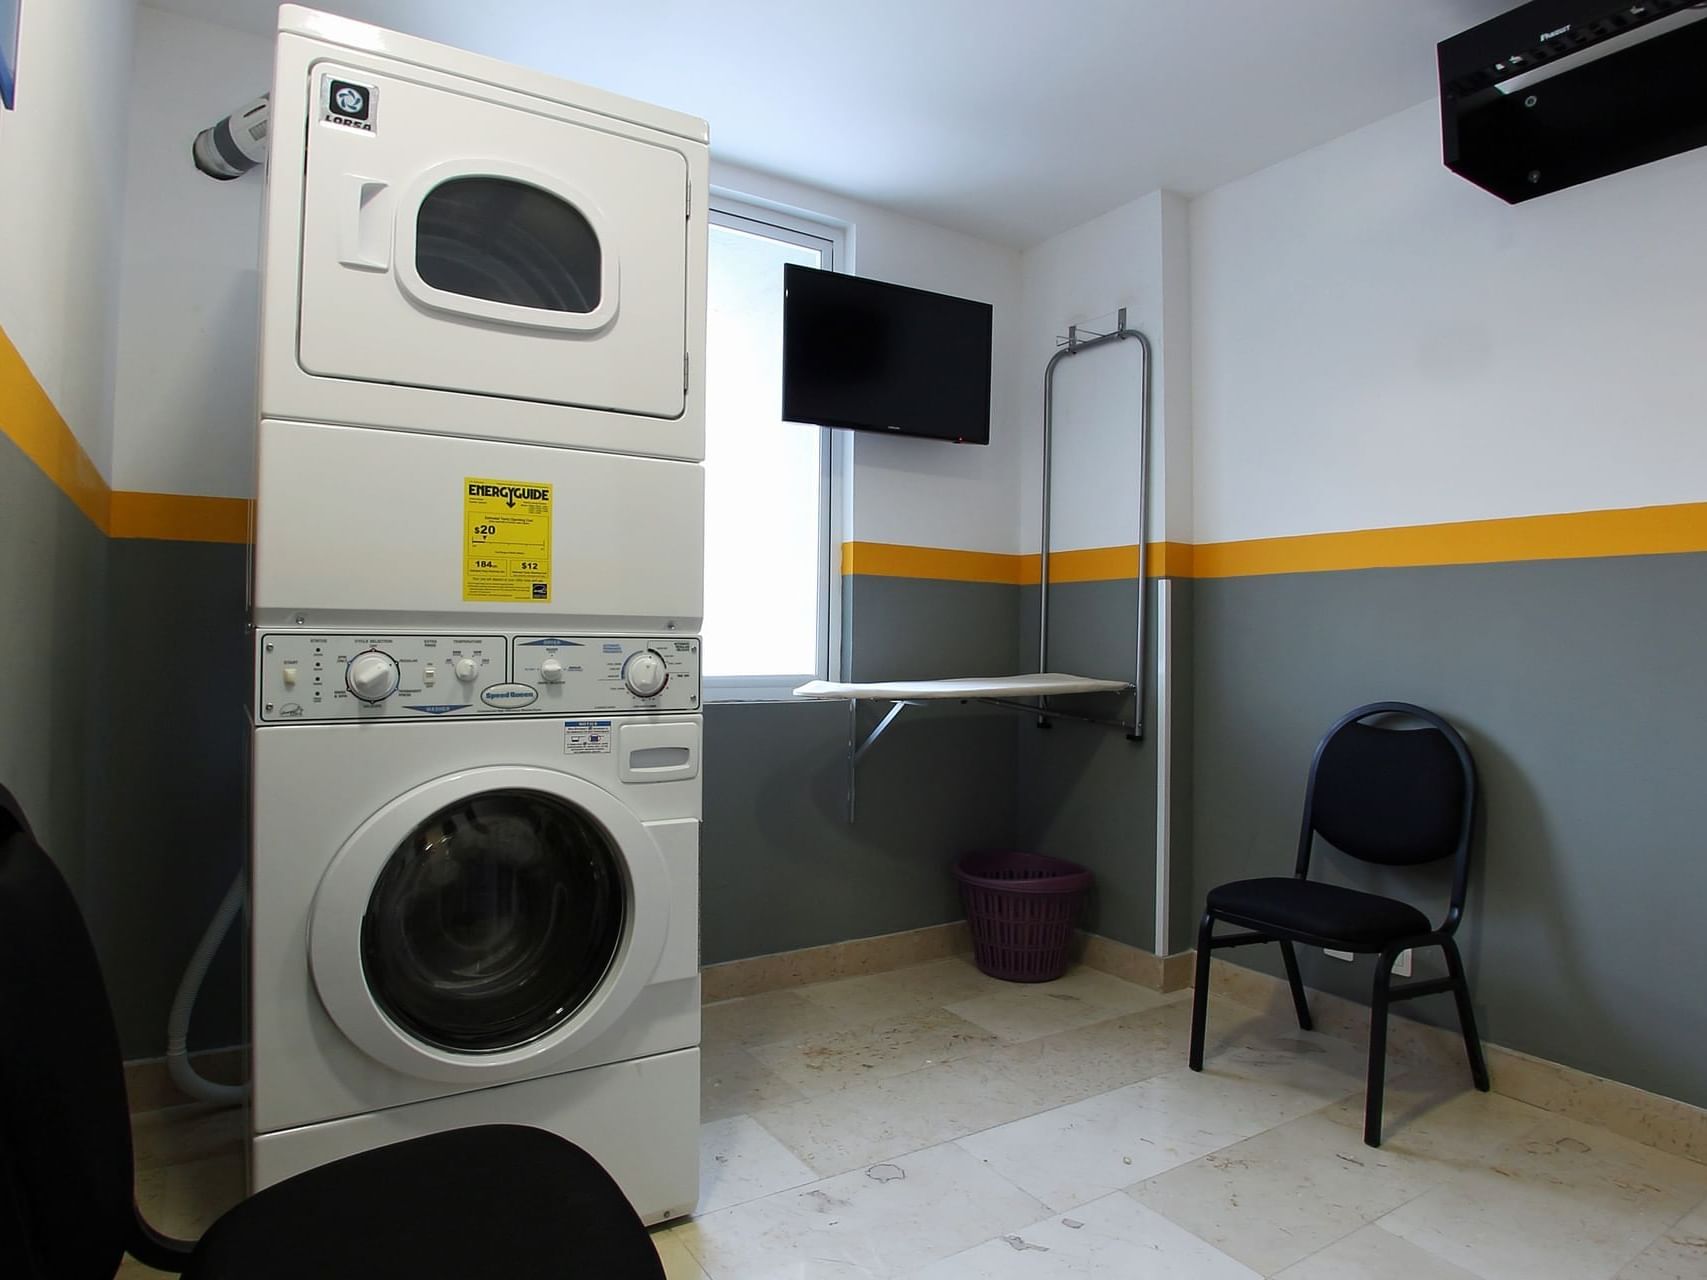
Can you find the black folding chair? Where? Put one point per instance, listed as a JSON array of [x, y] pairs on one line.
[[1383, 794], [487, 1201]]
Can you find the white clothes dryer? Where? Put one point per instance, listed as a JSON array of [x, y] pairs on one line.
[[459, 246], [475, 897]]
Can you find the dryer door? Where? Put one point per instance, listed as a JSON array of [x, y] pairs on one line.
[[488, 919], [457, 242]]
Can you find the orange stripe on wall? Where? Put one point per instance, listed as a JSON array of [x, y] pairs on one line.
[[897, 560], [1629, 531], [179, 517], [1095, 564], [32, 422], [29, 418], [1577, 535]]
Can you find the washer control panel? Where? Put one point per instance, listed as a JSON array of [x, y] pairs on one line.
[[302, 676], [342, 676], [607, 673]]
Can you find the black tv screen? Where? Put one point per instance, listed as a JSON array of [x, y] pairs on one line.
[[882, 357]]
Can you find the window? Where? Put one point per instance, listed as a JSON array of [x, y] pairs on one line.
[[768, 509]]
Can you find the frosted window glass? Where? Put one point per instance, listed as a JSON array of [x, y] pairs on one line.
[[761, 474]]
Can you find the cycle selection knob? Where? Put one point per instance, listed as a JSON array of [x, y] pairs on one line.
[[551, 671], [645, 673], [372, 675]]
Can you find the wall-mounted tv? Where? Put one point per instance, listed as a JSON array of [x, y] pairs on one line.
[[882, 357]]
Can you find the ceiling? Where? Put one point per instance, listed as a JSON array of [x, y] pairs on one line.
[[1009, 119]]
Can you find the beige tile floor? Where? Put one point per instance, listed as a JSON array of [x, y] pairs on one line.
[[932, 1122]]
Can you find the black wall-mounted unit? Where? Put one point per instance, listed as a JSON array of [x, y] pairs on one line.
[[1558, 92]]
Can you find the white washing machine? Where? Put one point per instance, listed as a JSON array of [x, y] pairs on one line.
[[459, 246], [475, 896]]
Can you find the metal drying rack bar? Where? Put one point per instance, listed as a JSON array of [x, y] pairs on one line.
[[1073, 345]]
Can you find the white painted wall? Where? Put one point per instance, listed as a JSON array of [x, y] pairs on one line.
[[1137, 257], [924, 492], [61, 172], [1380, 343], [188, 304]]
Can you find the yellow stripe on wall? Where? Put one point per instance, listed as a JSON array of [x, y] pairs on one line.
[[1097, 564], [1630, 531], [179, 517], [32, 422], [29, 418], [1577, 535]]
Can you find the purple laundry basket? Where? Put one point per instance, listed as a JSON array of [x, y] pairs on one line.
[[1022, 908]]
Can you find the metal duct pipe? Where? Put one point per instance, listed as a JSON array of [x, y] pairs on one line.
[[231, 147]]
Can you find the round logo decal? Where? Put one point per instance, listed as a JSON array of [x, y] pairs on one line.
[[349, 100]]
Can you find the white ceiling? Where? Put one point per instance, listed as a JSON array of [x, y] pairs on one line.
[[1010, 119]]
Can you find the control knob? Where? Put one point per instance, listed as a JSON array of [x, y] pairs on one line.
[[464, 669], [551, 671], [645, 673], [372, 676]]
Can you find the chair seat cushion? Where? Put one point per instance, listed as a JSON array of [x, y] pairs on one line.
[[489, 1201], [1319, 910]]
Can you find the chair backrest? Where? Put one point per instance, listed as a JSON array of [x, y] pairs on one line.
[[1394, 795], [66, 1186]]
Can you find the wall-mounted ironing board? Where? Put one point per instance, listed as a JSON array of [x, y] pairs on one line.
[[996, 691], [1005, 691]]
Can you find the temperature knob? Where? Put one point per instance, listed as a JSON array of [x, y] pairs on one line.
[[372, 676], [464, 668], [645, 673], [551, 671]]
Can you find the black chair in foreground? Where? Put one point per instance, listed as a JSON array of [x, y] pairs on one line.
[[1388, 795], [503, 1202]]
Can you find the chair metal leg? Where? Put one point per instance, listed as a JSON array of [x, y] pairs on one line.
[[1466, 1015], [1297, 983], [1200, 993], [1377, 1050]]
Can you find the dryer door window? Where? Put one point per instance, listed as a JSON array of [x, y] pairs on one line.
[[507, 242], [494, 921], [486, 248]]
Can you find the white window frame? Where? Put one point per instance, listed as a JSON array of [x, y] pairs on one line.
[[744, 213]]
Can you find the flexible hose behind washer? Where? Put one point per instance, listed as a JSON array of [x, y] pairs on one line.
[[184, 1004]]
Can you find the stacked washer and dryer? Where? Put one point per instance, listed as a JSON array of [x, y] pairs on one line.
[[476, 597]]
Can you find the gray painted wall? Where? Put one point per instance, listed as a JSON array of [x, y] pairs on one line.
[[169, 831], [1089, 793], [52, 580], [1579, 687]]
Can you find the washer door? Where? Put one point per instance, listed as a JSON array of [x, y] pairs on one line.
[[488, 923]]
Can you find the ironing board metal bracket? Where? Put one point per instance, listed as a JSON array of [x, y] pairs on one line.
[[857, 746]]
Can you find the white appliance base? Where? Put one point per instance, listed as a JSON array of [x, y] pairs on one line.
[[639, 1119]]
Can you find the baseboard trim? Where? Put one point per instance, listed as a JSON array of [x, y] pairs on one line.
[[148, 1083], [1123, 960], [1668, 1124], [848, 959]]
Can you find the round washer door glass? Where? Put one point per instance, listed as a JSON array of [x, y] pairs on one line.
[[494, 921]]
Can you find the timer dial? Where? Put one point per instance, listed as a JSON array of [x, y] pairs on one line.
[[645, 673], [372, 676]]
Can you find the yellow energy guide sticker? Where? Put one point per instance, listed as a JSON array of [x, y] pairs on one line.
[[506, 540]]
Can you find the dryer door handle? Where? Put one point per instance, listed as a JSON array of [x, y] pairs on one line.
[[364, 233]]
